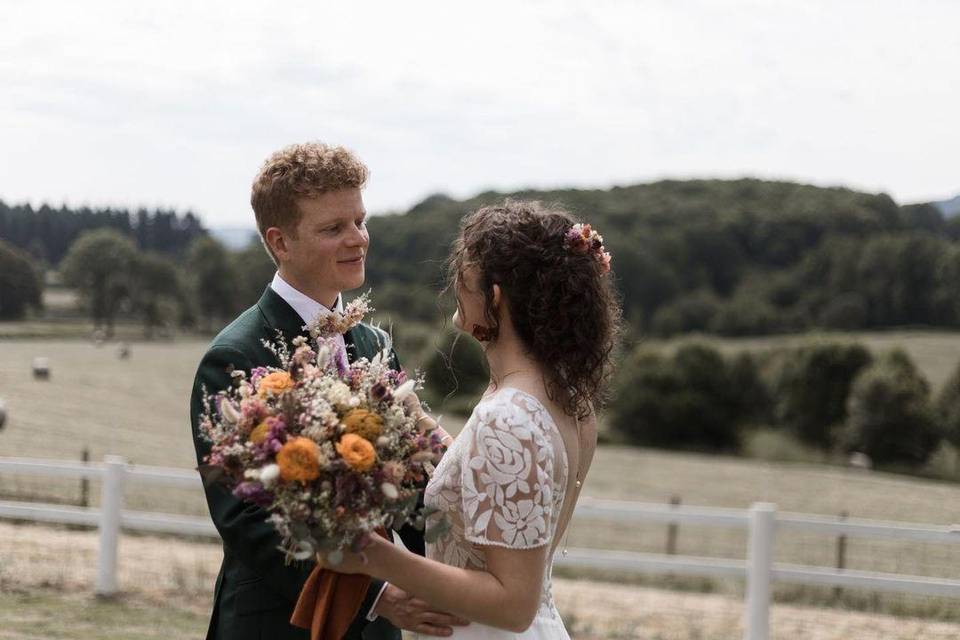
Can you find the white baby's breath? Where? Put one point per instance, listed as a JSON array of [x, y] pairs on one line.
[[390, 491], [229, 412], [269, 475]]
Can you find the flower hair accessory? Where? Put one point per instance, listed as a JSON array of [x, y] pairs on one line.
[[582, 239]]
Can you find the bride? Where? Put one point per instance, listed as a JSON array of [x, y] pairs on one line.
[[532, 287]]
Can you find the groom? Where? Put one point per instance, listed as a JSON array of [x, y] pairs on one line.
[[311, 218]]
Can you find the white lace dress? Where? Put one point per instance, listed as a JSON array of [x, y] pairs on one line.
[[502, 483]]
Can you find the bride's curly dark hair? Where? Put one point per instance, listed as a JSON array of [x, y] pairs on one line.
[[563, 307]]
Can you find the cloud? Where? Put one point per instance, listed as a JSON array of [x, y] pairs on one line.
[[178, 103]]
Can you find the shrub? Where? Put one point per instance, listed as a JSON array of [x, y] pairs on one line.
[[684, 402], [890, 417], [455, 368], [20, 283], [813, 387], [948, 407], [751, 393]]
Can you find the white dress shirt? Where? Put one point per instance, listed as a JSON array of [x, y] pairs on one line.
[[309, 310]]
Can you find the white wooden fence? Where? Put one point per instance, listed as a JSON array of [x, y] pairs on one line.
[[762, 521]]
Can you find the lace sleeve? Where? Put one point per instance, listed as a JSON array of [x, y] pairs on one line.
[[508, 482]]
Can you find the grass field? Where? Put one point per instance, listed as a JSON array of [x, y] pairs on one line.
[[138, 408]]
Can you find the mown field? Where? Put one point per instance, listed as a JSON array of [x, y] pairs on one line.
[[138, 408]]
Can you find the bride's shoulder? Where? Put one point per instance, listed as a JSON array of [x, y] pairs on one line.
[[509, 409]]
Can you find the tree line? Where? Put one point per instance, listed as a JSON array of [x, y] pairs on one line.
[[46, 234], [730, 257], [202, 290]]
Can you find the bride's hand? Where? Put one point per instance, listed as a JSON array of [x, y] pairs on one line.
[[412, 404], [414, 408], [445, 438]]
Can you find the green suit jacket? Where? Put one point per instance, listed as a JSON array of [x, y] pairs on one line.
[[255, 590]]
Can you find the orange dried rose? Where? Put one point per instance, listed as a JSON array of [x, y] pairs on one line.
[[299, 460], [356, 452], [364, 423], [259, 433], [274, 383]]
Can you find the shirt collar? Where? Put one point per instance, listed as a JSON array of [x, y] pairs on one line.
[[306, 307]]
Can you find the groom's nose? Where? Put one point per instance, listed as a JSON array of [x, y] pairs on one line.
[[358, 237]]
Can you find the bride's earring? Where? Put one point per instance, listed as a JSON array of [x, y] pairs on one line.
[[484, 334]]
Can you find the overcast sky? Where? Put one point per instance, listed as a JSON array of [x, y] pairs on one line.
[[177, 103]]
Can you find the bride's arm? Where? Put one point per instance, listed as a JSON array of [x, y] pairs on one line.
[[507, 493], [506, 595]]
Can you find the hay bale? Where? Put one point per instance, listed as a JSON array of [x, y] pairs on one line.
[[860, 460], [41, 368]]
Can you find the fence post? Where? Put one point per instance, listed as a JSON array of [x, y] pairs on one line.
[[841, 556], [759, 565], [672, 530], [111, 504], [84, 481]]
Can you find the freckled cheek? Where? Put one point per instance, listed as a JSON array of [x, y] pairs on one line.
[[325, 253]]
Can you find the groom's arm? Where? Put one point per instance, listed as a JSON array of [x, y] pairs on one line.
[[244, 526]]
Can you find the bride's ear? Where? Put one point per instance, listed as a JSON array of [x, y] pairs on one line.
[[497, 296]]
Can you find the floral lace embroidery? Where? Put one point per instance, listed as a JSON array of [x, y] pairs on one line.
[[502, 483]]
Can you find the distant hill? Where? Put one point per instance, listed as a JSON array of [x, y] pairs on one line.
[[948, 208], [736, 257]]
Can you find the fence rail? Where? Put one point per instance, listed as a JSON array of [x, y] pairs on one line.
[[762, 521]]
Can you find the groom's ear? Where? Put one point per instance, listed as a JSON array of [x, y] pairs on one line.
[[277, 242]]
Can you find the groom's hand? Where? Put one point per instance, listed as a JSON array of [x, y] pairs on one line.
[[412, 614]]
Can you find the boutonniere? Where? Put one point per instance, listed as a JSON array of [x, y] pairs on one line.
[[327, 325]]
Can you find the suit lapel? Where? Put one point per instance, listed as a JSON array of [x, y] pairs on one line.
[[355, 344], [278, 315]]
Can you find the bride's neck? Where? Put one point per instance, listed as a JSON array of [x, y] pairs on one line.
[[507, 356]]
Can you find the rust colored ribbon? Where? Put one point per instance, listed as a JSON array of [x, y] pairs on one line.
[[329, 601]]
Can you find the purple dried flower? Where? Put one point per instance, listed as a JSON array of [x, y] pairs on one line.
[[348, 491], [253, 492], [256, 373], [379, 392]]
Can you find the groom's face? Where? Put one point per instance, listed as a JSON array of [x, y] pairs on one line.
[[329, 248]]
